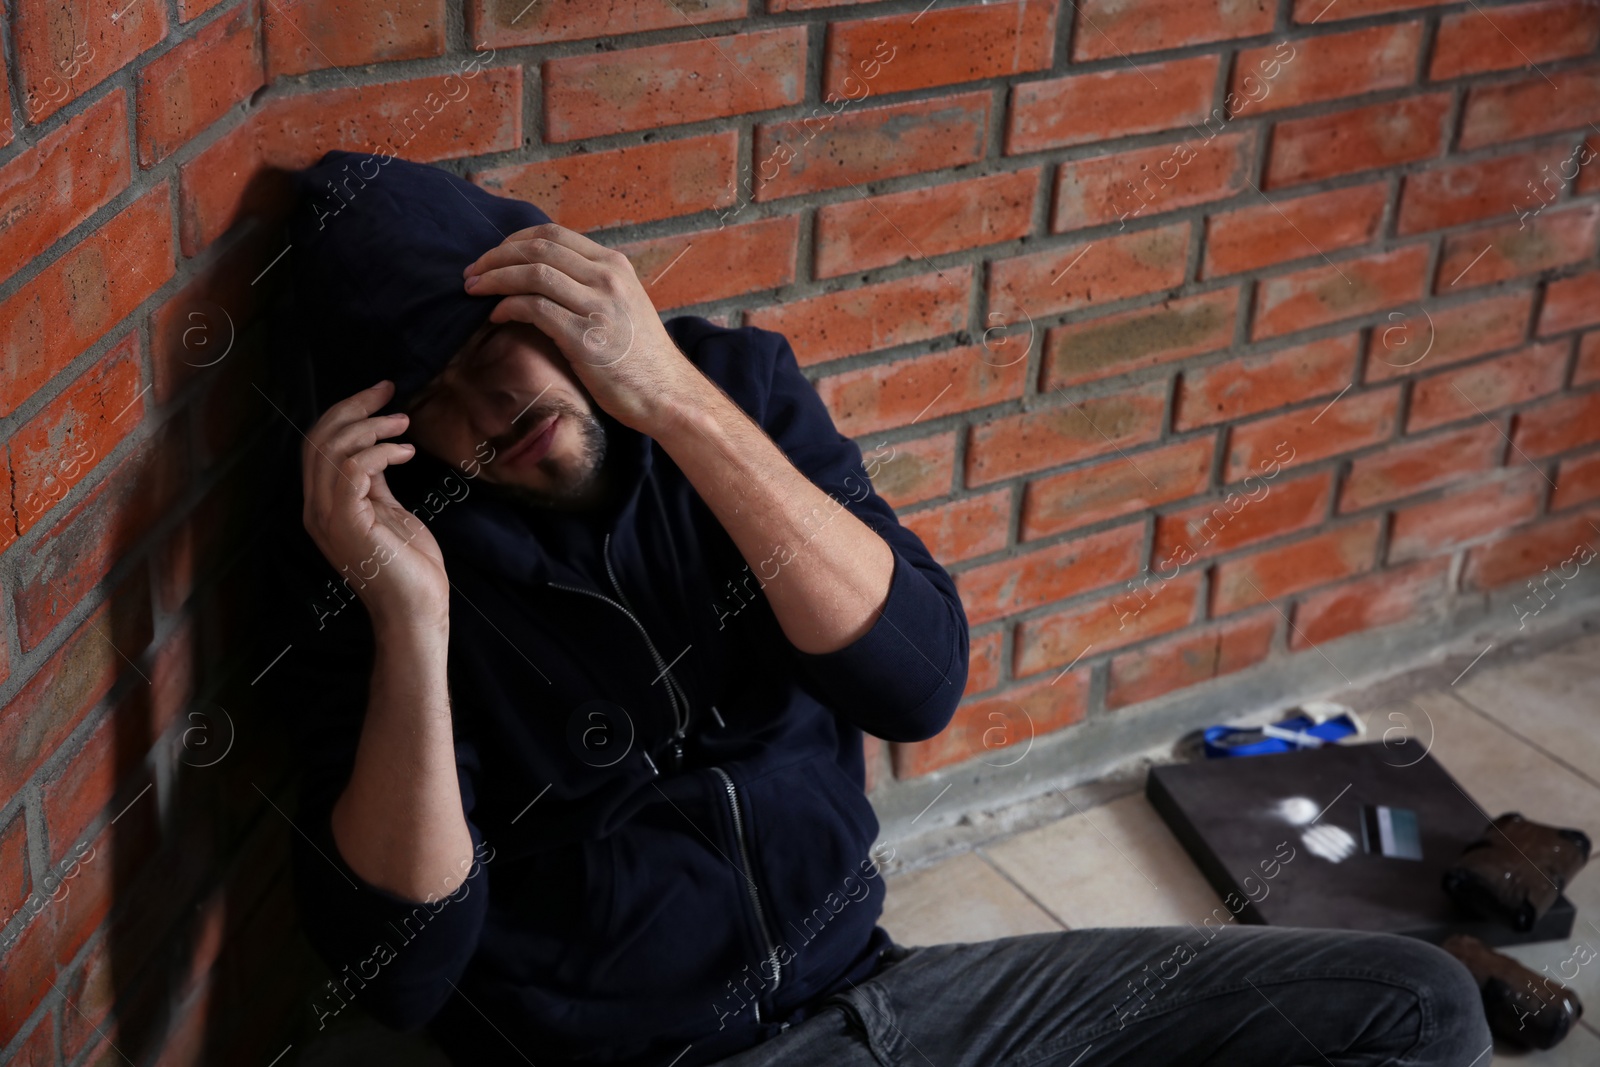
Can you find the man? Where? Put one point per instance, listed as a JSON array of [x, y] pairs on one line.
[[589, 615]]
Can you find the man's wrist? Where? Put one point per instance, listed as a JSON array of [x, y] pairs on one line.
[[412, 629], [689, 407]]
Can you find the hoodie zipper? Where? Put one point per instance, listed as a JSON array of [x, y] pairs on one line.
[[750, 882], [680, 717]]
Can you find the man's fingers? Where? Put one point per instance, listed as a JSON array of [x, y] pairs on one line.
[[364, 433], [543, 278], [363, 465], [351, 409], [552, 318], [561, 239], [529, 251]]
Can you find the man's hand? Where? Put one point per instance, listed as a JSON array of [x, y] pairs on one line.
[[589, 300], [387, 554]]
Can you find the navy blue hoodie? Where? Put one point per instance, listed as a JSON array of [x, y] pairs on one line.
[[673, 846]]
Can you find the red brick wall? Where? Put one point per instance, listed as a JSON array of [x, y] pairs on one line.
[[1069, 274]]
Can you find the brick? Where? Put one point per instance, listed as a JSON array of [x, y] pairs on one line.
[[647, 88], [313, 34], [1576, 482], [1587, 370], [1589, 170], [1082, 275], [1412, 342], [983, 662], [1106, 105], [477, 113], [192, 85], [172, 683], [1466, 515], [223, 184], [1117, 620], [92, 778], [1522, 553], [440, 117], [1313, 11], [1496, 253], [1064, 433], [625, 186], [860, 145], [8, 534], [940, 46], [7, 119], [1346, 142], [1331, 66], [860, 234], [1570, 303], [928, 386], [63, 52], [1107, 29], [1382, 599], [38, 1049], [123, 262], [1124, 185], [71, 435], [1055, 572], [88, 541], [730, 261], [993, 729], [1473, 392], [964, 529], [1469, 192], [1116, 487], [1089, 350], [1474, 41], [69, 174], [1557, 425], [1536, 105], [1281, 230], [1286, 506], [29, 967], [502, 24], [1319, 295], [1282, 570], [15, 885], [871, 317], [1316, 432], [1240, 387], [1411, 466], [75, 677], [910, 472], [1189, 659]]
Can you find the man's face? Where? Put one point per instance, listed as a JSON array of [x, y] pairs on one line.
[[511, 387]]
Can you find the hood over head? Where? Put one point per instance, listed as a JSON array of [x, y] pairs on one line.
[[378, 247]]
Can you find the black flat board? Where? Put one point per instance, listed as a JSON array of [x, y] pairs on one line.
[[1226, 814]]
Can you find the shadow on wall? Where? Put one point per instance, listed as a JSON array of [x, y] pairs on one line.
[[165, 930]]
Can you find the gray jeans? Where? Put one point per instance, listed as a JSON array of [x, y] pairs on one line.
[[1235, 996]]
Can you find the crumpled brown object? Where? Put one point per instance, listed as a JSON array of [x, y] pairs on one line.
[[1524, 1008], [1517, 869]]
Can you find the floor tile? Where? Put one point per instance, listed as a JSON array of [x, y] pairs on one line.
[[1115, 865], [1580, 1049], [1552, 700], [961, 899]]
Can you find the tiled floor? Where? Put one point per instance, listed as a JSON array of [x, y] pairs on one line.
[[1519, 737]]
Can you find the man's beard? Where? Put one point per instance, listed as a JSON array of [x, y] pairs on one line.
[[593, 446]]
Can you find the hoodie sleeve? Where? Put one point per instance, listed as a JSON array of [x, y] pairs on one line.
[[902, 679], [394, 958]]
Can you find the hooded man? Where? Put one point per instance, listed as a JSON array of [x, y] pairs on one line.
[[587, 616]]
